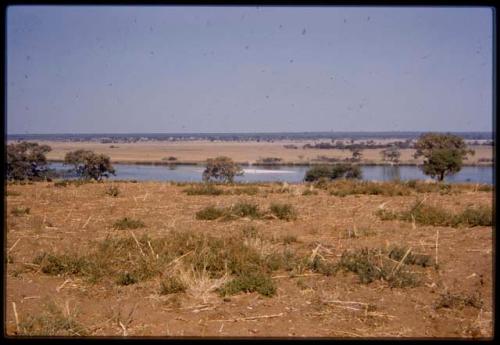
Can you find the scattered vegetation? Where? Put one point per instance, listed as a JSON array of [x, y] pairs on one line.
[[246, 209], [210, 213], [128, 223], [438, 216]]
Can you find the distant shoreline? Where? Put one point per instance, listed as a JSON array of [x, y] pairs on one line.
[[285, 164]]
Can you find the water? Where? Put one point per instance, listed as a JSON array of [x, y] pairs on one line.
[[192, 173]]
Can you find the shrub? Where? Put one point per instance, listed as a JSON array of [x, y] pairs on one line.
[[251, 190], [171, 285], [254, 282], [20, 211], [479, 216], [210, 213], [128, 223], [62, 264], [283, 211], [245, 209]]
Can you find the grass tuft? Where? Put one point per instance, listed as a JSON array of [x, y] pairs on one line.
[[283, 211], [20, 211]]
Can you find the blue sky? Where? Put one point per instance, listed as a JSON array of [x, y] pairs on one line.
[[122, 69]]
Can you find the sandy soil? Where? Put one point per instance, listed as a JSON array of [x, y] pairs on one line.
[[199, 151], [67, 220]]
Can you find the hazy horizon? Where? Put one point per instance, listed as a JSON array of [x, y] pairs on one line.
[[242, 69]]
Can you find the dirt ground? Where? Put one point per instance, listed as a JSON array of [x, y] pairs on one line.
[[241, 152], [67, 220]]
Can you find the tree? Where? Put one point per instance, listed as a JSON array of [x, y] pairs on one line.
[[443, 154], [26, 160], [333, 172], [391, 154], [89, 165], [221, 168]]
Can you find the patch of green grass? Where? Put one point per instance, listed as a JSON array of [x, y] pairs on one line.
[[283, 211], [128, 223], [350, 187], [20, 211], [478, 216], [253, 282], [204, 189], [171, 285]]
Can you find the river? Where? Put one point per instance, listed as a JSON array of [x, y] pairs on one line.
[[192, 173]]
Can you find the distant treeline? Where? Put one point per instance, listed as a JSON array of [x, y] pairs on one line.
[[267, 137]]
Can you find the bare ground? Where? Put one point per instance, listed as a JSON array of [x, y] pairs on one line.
[[68, 219]]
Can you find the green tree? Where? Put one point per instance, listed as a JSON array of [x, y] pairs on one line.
[[26, 160], [221, 168], [89, 165], [443, 154], [391, 154]]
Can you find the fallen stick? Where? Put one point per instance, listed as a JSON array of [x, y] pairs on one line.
[[13, 245], [16, 316], [62, 285], [250, 318], [124, 329], [298, 275]]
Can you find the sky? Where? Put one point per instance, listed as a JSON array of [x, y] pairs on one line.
[[165, 69]]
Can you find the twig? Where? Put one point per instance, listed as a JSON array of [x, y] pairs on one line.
[[16, 316], [180, 257], [152, 251], [250, 318], [298, 275], [124, 329], [395, 269], [137, 242], [62, 285], [88, 220], [13, 246]]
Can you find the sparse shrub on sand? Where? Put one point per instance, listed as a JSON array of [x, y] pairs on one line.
[[253, 282], [171, 285], [210, 213], [458, 301]]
